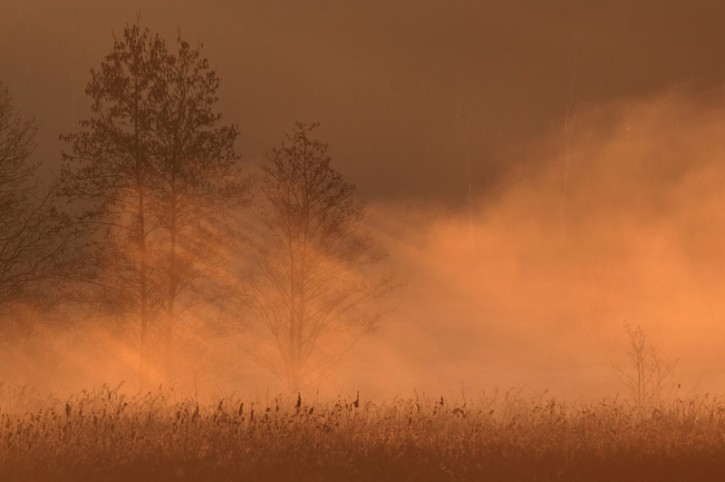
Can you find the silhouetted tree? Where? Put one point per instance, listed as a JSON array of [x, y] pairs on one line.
[[111, 170], [32, 232], [197, 177], [152, 167], [314, 280]]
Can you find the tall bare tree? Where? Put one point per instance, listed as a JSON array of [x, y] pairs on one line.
[[316, 265], [198, 178], [151, 167], [32, 232], [110, 170]]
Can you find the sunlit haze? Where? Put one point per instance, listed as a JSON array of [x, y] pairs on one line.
[[539, 175]]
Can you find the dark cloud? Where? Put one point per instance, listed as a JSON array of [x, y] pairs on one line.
[[418, 99]]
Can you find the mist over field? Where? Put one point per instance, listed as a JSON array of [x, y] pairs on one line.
[[533, 290], [525, 290], [362, 240], [538, 176]]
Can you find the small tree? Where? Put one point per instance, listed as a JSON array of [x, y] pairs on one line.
[[646, 376], [313, 284]]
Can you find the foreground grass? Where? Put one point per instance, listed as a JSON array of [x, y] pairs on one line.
[[108, 436]]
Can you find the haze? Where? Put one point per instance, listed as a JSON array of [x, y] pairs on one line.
[[539, 173]]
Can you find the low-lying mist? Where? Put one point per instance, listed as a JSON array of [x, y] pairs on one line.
[[533, 289], [528, 290]]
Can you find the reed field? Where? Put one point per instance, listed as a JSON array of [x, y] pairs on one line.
[[105, 435]]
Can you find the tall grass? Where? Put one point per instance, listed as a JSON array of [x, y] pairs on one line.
[[106, 435]]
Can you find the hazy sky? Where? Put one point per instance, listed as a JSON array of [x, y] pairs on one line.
[[449, 116], [417, 97]]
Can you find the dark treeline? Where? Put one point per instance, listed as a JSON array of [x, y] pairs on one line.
[[152, 228]]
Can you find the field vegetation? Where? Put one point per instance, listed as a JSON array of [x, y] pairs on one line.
[[110, 436]]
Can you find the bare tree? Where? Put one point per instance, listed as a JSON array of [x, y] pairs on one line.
[[151, 168], [110, 171], [646, 375], [32, 232], [198, 179], [315, 264]]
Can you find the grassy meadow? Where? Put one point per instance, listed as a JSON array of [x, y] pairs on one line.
[[105, 435]]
